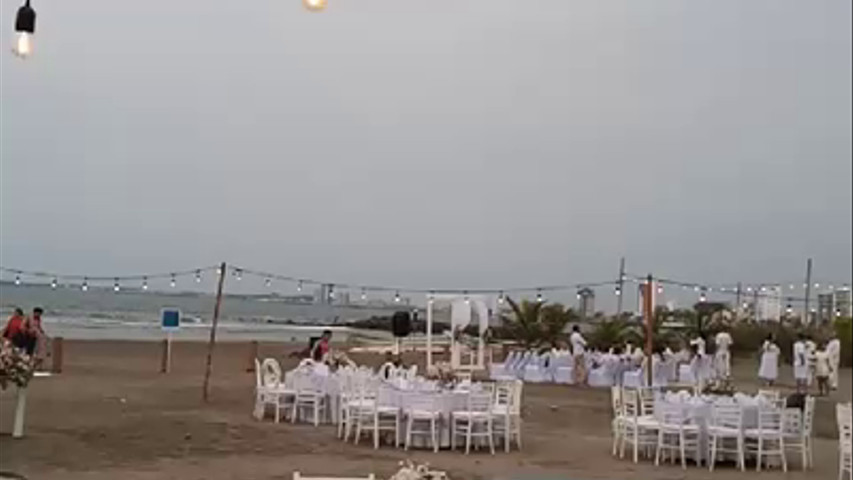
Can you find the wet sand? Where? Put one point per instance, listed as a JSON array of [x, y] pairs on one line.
[[111, 415]]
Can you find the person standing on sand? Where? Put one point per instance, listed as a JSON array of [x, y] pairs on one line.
[[723, 357], [38, 339], [801, 364], [769, 369], [16, 330], [579, 354], [823, 370], [833, 348], [322, 347]]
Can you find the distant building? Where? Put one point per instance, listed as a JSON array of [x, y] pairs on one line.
[[834, 304], [825, 307], [843, 306], [769, 308], [586, 302]]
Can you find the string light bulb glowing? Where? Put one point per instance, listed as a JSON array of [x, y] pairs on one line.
[[363, 294], [85, 285], [116, 286], [53, 283], [145, 283], [501, 298], [314, 5], [618, 291], [268, 282], [239, 274], [173, 282], [467, 300], [25, 27], [17, 279], [299, 286], [539, 298], [703, 297], [397, 297], [198, 276]]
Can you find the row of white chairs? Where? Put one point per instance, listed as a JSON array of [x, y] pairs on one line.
[[373, 407], [662, 427]]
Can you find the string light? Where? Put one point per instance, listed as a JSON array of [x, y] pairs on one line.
[[198, 276], [397, 297], [501, 298], [116, 286], [173, 282], [467, 300], [299, 286], [791, 286], [431, 297], [838, 312], [816, 285], [331, 291], [145, 283], [745, 305], [539, 298], [660, 289], [268, 282], [239, 274], [85, 285], [363, 294], [17, 279], [53, 283], [703, 297], [618, 290], [218, 271], [25, 27], [789, 309], [749, 289], [314, 5]]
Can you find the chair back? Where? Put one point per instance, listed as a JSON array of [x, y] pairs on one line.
[[258, 379], [647, 400], [616, 400], [727, 415], [479, 401], [387, 370], [630, 403], [808, 416], [425, 402], [771, 418], [503, 394], [271, 372], [844, 418], [769, 395], [673, 414]]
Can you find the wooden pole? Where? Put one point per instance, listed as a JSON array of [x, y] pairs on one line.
[[621, 283], [648, 313], [209, 365], [164, 356], [806, 311], [56, 357], [253, 355]]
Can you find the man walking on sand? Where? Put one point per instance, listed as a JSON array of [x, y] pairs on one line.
[[833, 348], [579, 354]]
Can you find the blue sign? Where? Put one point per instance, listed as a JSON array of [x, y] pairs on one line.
[[170, 319]]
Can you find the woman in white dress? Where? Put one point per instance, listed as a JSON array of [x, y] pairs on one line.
[[769, 369], [801, 364]]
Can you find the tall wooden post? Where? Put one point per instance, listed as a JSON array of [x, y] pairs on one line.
[[648, 313], [253, 356], [56, 357], [806, 311], [621, 286], [209, 365]]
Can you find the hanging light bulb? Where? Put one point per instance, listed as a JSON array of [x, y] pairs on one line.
[[501, 298], [17, 279], [618, 291], [838, 312], [467, 300], [539, 296], [791, 286], [660, 289], [431, 297], [789, 309], [173, 281], [54, 283], [703, 297], [218, 271], [25, 27], [239, 274], [816, 285], [315, 5], [299, 286], [268, 282], [763, 288], [363, 294], [745, 305], [116, 286], [198, 276], [397, 297], [85, 285], [145, 283], [749, 289]]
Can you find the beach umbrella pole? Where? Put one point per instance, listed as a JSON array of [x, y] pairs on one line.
[[209, 365]]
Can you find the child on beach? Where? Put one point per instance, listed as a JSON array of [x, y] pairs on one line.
[[769, 369]]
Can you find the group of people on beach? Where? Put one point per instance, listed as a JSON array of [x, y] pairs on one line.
[[811, 364], [26, 332]]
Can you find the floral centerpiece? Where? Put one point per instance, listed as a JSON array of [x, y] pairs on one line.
[[339, 359], [720, 386], [16, 367], [442, 372], [410, 471]]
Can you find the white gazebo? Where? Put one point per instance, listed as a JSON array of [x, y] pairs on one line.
[[464, 310]]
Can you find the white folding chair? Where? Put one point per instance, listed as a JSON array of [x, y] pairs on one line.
[[637, 430], [676, 425], [506, 412], [308, 397], [769, 437], [386, 415], [844, 418], [618, 417], [798, 431], [769, 395], [478, 413], [726, 424], [423, 408], [269, 389], [299, 476]]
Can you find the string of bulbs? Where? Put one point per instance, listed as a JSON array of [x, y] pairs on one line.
[[25, 25]]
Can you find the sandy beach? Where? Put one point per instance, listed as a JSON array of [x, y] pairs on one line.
[[111, 415]]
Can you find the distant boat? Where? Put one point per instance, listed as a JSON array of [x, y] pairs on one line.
[[191, 319]]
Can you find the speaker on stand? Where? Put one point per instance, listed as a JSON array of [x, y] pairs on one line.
[[401, 326]]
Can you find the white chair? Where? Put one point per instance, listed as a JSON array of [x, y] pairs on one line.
[[478, 413], [386, 416], [506, 412], [637, 430], [798, 431], [618, 417], [387, 371], [308, 397], [423, 408], [686, 375], [675, 424], [769, 437], [726, 424], [269, 390], [564, 369], [844, 418], [534, 371], [299, 476], [360, 408], [769, 395]]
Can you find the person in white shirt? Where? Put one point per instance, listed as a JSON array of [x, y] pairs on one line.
[[579, 354], [833, 348], [823, 370], [722, 357], [801, 364], [769, 369], [811, 348]]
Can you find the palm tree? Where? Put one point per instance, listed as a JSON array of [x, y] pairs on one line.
[[523, 324]]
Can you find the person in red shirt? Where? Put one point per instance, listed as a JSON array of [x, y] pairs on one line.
[[17, 329], [321, 348]]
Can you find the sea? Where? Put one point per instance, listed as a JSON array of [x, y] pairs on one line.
[[103, 314]]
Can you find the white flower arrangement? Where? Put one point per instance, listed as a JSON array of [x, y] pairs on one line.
[[411, 471], [16, 367]]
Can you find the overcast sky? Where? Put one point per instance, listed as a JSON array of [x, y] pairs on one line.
[[472, 143]]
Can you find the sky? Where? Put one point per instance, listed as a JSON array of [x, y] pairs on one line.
[[431, 144]]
